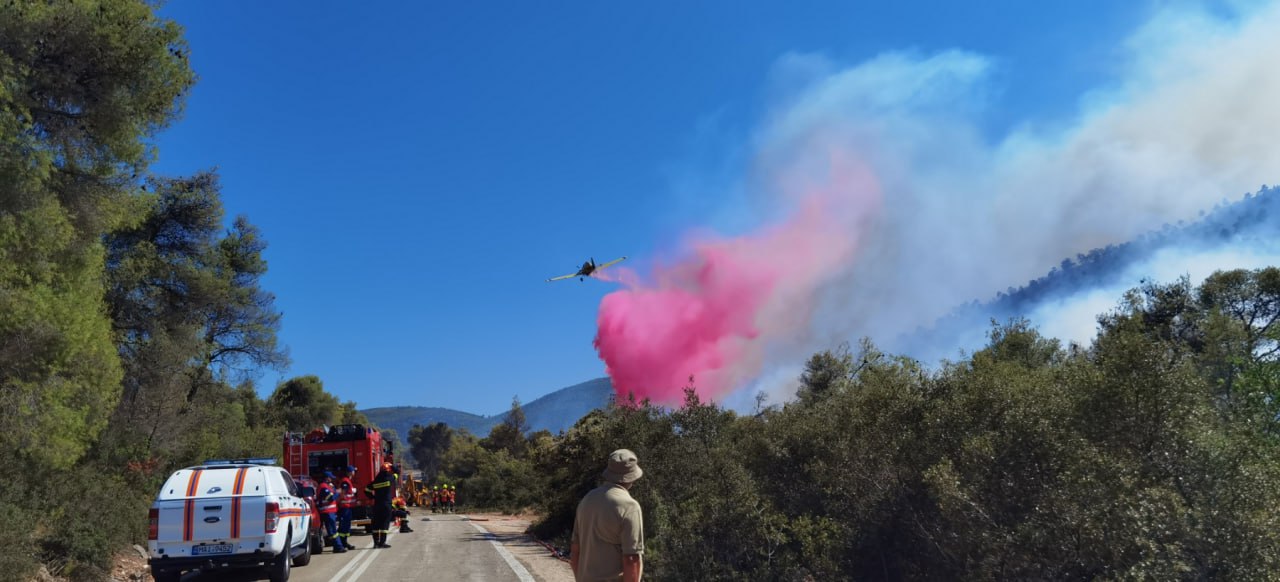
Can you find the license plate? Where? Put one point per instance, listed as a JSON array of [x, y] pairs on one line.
[[211, 549]]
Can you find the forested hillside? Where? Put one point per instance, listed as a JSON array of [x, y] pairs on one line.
[[1253, 221], [560, 410], [1250, 223], [404, 417]]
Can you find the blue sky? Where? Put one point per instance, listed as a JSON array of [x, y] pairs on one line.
[[419, 169]]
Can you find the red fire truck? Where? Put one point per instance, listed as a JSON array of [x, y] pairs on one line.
[[334, 449]]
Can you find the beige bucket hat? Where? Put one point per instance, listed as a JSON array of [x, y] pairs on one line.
[[623, 467]]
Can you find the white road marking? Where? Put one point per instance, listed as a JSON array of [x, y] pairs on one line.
[[516, 567], [363, 556], [364, 559], [360, 571], [343, 571]]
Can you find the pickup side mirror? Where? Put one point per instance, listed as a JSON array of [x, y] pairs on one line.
[[305, 491]]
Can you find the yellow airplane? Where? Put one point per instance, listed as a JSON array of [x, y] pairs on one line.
[[587, 269]]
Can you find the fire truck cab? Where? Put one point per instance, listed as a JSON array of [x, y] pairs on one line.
[[334, 449]]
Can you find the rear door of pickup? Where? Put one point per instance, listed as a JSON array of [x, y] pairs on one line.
[[211, 510]]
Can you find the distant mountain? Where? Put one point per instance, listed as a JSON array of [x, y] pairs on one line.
[[555, 412], [559, 410], [402, 418]]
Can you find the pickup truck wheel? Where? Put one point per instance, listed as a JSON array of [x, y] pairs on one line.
[[166, 576], [317, 543], [305, 557], [278, 571]]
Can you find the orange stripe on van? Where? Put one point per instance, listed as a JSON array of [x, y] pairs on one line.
[[235, 502], [189, 507]]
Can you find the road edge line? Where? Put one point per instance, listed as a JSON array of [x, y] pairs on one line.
[[516, 566]]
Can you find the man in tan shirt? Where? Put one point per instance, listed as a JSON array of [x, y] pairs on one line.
[[608, 530]]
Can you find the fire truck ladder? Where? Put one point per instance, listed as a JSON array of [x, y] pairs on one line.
[[297, 461]]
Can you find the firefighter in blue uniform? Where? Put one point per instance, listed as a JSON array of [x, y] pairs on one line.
[[327, 503], [346, 506]]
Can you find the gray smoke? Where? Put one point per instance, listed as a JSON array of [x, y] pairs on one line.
[[1192, 120]]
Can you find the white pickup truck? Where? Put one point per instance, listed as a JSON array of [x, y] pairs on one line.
[[229, 514]]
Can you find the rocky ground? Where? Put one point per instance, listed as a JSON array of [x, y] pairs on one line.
[[130, 565]]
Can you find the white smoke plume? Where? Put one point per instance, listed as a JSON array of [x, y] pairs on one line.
[[1191, 121]]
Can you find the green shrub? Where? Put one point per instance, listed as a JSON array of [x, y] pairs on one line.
[[92, 515]]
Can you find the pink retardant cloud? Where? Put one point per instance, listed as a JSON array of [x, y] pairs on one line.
[[711, 315]]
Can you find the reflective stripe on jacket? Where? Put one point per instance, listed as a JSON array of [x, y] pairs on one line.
[[326, 499], [346, 493], [380, 489]]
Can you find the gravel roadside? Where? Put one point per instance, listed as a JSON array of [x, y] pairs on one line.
[[509, 530]]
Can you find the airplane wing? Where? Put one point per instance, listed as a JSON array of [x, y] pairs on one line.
[[563, 277], [613, 262]]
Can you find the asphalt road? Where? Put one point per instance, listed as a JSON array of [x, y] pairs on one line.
[[447, 547]]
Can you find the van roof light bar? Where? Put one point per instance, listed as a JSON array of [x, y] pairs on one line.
[[250, 461]]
